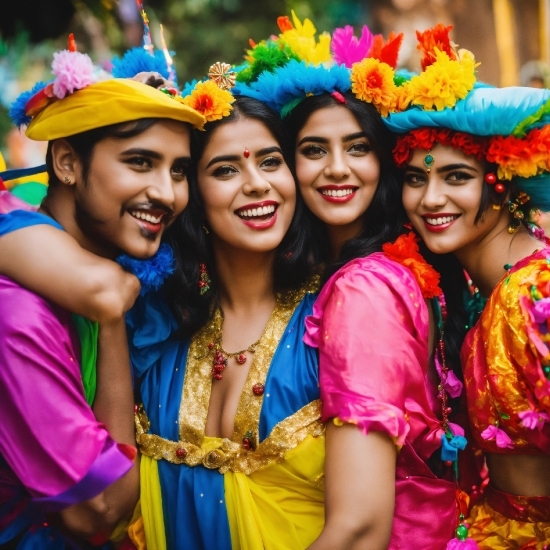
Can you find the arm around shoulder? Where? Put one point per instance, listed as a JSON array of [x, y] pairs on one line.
[[52, 264]]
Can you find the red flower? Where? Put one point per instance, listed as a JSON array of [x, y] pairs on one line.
[[388, 52], [436, 37], [405, 251]]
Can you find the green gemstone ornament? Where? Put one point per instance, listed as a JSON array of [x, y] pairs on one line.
[[429, 162], [461, 532]]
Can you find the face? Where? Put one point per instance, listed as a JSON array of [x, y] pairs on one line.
[[248, 191], [337, 170], [443, 205], [134, 190]]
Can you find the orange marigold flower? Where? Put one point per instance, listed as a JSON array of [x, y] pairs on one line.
[[429, 40], [372, 81], [405, 251], [210, 100]]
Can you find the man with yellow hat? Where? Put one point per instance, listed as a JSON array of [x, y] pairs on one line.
[[117, 163]]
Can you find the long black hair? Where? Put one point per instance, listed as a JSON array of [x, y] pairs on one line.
[[384, 218], [293, 263]]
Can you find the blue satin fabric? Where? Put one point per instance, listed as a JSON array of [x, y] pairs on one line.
[[193, 498], [18, 219], [486, 111]]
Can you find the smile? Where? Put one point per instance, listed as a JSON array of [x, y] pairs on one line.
[[437, 223], [150, 221], [258, 216], [145, 216], [258, 212], [337, 194]]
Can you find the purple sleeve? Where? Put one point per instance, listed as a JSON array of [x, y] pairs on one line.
[[48, 434], [371, 327]]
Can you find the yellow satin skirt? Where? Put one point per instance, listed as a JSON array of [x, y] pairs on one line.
[[493, 531], [277, 507]]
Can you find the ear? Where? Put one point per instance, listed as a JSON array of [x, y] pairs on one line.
[[65, 161]]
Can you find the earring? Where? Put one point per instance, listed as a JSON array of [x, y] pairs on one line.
[[515, 209], [496, 206], [491, 179], [204, 279], [67, 180], [429, 162], [205, 229]]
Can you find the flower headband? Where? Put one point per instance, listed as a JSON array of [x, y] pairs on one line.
[[212, 97], [509, 127], [284, 70]]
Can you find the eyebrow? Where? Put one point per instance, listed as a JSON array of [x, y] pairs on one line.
[[236, 158], [441, 169], [349, 137], [143, 152]]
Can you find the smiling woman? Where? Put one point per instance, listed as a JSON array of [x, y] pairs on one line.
[[474, 169], [236, 456]]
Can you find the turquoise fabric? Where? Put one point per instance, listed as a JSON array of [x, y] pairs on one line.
[[485, 111]]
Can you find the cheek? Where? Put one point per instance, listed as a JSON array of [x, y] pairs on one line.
[[305, 172], [410, 198]]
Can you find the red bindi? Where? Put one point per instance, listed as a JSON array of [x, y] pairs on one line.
[[246, 153]]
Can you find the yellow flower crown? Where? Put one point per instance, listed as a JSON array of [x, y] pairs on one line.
[[447, 77]]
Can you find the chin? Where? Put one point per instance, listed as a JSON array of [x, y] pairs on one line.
[[141, 251]]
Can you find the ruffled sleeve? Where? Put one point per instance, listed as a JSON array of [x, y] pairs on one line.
[[370, 324]]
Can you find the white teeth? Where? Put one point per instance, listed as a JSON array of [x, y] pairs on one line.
[[255, 212], [440, 221], [146, 217], [337, 192]]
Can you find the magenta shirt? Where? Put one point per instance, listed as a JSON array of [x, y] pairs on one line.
[[371, 326], [51, 447]]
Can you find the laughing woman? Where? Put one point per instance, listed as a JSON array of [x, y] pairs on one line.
[[374, 321], [230, 433], [474, 169]]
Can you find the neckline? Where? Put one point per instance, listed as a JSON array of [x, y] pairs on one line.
[[197, 384]]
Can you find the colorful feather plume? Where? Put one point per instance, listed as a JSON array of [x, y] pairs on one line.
[[347, 49]]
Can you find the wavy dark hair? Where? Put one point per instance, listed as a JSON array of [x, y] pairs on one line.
[[384, 218], [294, 260]]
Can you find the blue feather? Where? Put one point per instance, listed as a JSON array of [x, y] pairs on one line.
[[151, 272], [188, 88], [138, 60], [17, 109], [293, 81]]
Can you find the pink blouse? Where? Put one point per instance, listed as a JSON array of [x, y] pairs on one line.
[[371, 326]]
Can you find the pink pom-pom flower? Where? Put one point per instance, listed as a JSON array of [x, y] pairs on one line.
[[73, 71], [457, 544], [501, 438], [533, 419]]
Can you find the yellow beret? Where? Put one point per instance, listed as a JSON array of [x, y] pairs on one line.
[[105, 103]]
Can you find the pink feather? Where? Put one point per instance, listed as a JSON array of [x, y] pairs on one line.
[[347, 49]]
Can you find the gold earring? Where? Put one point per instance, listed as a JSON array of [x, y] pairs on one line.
[[67, 180], [496, 206]]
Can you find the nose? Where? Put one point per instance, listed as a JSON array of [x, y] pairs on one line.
[[256, 182], [434, 196], [337, 167], [162, 190]]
